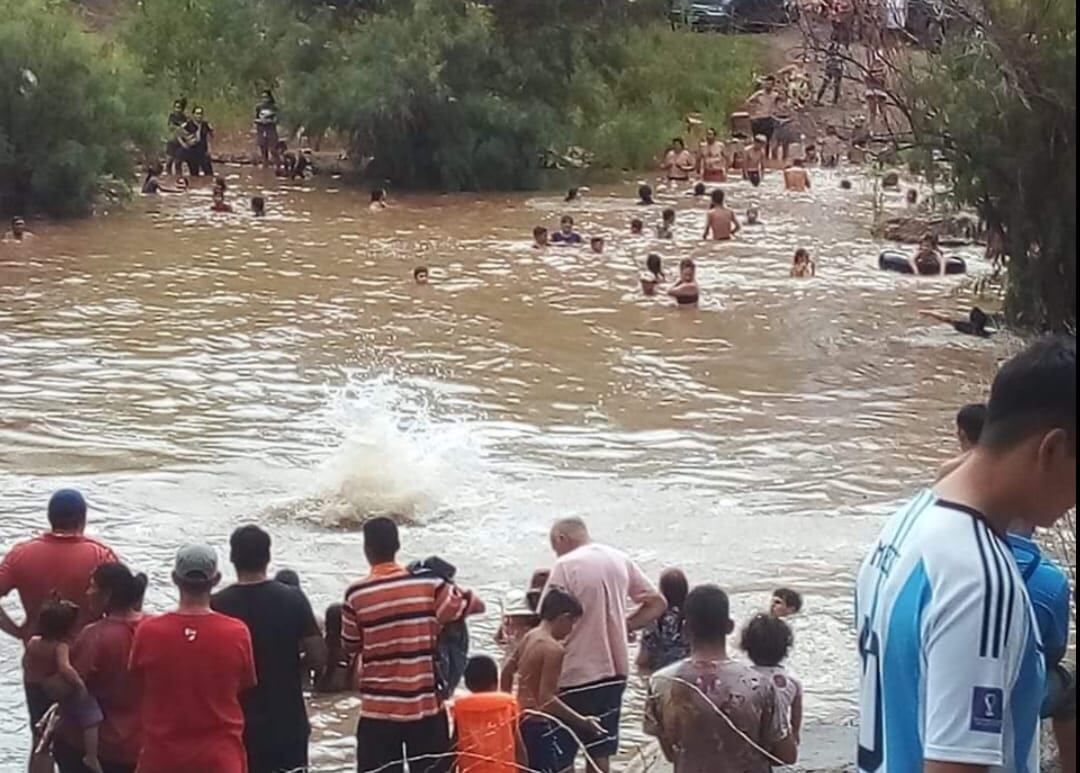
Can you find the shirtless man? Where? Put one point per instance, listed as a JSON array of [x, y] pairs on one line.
[[796, 178], [762, 107], [755, 160], [18, 232], [721, 223], [538, 664], [678, 161], [712, 159]]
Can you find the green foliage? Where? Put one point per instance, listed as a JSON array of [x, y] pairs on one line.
[[72, 112], [999, 105]]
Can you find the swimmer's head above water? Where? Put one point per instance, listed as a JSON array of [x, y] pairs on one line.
[[540, 236], [572, 195], [700, 189], [258, 206], [668, 217], [597, 244], [687, 270], [845, 185], [378, 196], [637, 226], [566, 224], [421, 275], [645, 194], [753, 216]]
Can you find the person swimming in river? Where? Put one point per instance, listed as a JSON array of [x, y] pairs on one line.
[[258, 206], [152, 184], [928, 261], [666, 229], [753, 216], [596, 244], [803, 266], [219, 204], [700, 189], [678, 161], [378, 200], [755, 160], [796, 178], [18, 232], [645, 196], [566, 235], [637, 227], [686, 291], [653, 276], [421, 275], [540, 238], [975, 325], [720, 222]]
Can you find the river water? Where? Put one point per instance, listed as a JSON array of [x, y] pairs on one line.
[[193, 372]]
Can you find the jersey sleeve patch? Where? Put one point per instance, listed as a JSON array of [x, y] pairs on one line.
[[988, 710]]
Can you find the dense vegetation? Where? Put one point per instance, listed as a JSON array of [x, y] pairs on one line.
[[72, 113], [998, 104]]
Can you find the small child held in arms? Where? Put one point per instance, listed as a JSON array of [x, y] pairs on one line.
[[767, 640], [663, 642], [48, 672], [537, 664], [785, 603], [487, 722]]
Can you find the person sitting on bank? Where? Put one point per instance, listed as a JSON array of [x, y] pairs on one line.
[[666, 229], [712, 159], [796, 178], [645, 195], [803, 266], [679, 162], [566, 235], [720, 222], [686, 291], [18, 232], [653, 276]]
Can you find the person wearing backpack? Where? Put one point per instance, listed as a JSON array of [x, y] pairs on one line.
[[393, 619]]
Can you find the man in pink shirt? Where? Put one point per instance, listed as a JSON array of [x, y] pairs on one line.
[[597, 662]]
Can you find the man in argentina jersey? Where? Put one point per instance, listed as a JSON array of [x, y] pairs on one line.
[[952, 668]]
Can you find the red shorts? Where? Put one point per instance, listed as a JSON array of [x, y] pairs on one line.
[[715, 176]]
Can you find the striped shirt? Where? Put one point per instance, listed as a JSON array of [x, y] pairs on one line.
[[392, 620]]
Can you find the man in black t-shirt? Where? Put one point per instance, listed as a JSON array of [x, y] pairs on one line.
[[287, 643]]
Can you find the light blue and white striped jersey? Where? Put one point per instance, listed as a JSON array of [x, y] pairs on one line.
[[952, 666]]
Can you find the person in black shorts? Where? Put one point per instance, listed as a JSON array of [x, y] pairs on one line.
[[975, 325]]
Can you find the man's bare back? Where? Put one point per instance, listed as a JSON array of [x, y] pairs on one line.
[[721, 224], [538, 655]]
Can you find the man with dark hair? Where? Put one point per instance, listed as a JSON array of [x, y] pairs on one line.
[[392, 619], [969, 425], [287, 644], [58, 564], [951, 658], [597, 664], [786, 603], [713, 714], [192, 665]]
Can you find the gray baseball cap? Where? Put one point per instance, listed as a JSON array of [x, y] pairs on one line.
[[196, 562]]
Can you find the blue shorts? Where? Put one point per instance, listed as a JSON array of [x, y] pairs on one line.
[[550, 748], [603, 700]]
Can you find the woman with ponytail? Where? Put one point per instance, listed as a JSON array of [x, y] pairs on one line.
[[100, 655]]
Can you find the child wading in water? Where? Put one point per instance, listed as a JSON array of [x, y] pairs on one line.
[[49, 674], [803, 266], [537, 664], [767, 640], [653, 276]]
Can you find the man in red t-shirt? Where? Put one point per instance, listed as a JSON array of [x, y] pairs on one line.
[[192, 665], [59, 563]]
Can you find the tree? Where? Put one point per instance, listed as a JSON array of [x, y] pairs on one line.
[[72, 113]]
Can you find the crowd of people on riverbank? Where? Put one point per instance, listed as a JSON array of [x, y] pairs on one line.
[[960, 620]]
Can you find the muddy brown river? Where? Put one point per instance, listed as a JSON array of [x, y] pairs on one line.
[[192, 372]]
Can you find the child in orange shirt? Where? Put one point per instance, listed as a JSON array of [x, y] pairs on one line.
[[487, 722]]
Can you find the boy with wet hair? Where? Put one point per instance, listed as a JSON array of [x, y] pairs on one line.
[[540, 237], [566, 234], [537, 664], [421, 275], [786, 603], [767, 641]]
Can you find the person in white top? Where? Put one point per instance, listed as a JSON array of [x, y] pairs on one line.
[[597, 662]]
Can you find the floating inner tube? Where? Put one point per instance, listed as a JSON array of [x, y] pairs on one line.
[[890, 260]]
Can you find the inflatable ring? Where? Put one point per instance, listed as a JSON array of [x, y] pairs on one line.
[[898, 262]]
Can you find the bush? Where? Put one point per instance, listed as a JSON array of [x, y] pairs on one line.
[[72, 112]]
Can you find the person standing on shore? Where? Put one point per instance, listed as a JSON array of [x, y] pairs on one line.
[[266, 123], [192, 666], [597, 662], [952, 667], [392, 619], [100, 655], [195, 142], [286, 642], [713, 714], [58, 564], [763, 106]]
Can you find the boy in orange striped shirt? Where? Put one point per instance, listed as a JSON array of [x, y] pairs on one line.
[[487, 723]]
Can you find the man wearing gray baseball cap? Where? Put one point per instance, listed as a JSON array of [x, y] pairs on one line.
[[193, 664]]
